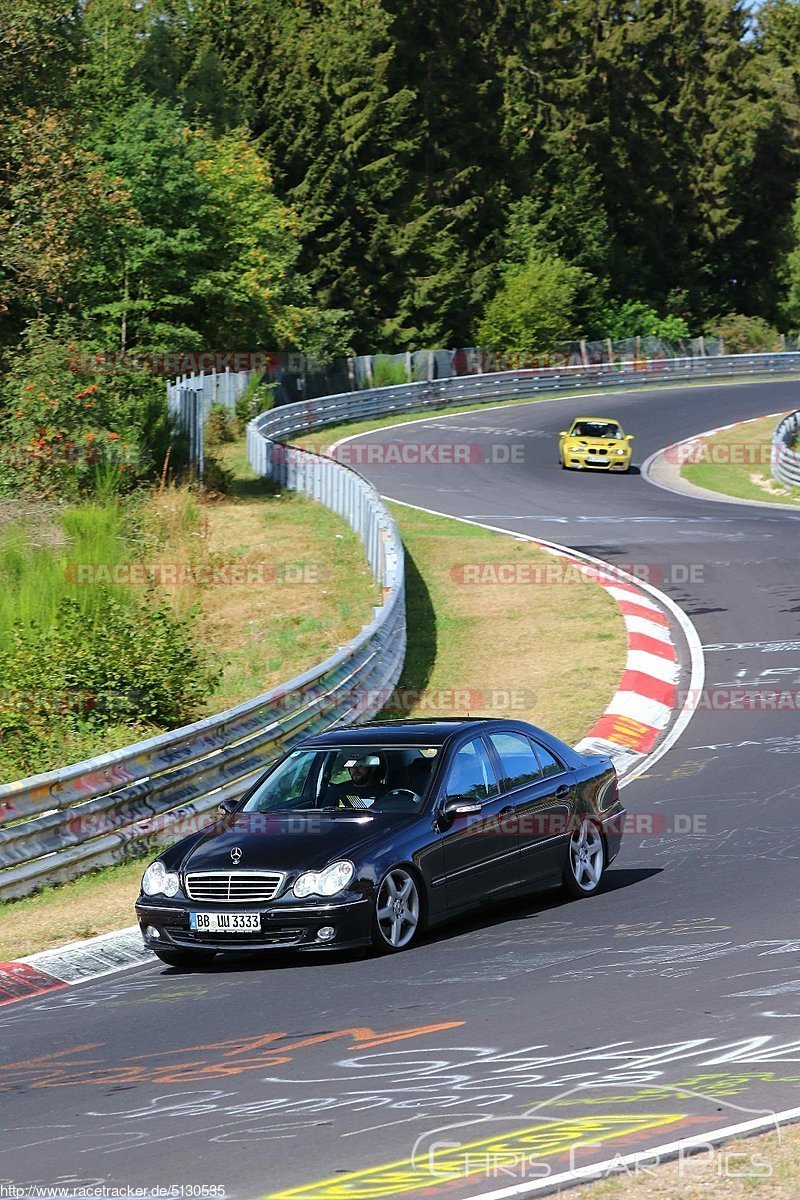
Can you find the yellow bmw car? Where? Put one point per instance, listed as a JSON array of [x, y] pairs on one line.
[[595, 444]]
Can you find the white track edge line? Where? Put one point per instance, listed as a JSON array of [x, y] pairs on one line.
[[666, 1150]]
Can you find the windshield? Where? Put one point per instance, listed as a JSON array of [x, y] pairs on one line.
[[596, 429], [348, 779]]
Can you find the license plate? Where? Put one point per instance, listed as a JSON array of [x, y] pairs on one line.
[[225, 922], [590, 459]]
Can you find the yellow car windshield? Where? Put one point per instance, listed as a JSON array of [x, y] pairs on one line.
[[596, 429]]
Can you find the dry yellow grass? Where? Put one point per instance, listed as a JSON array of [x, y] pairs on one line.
[[551, 653], [769, 1171], [294, 582], [95, 904]]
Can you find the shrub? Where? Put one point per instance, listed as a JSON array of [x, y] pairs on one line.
[[745, 335], [386, 372], [221, 425], [634, 318], [256, 398], [64, 420], [136, 662], [535, 309], [216, 476]]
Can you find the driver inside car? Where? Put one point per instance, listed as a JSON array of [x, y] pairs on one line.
[[367, 783]]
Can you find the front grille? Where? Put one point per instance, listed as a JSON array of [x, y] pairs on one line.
[[248, 941], [233, 887]]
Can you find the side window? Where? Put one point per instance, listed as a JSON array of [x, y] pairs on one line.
[[471, 774], [549, 763], [516, 758]]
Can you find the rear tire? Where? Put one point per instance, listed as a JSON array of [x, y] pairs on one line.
[[187, 959], [586, 861]]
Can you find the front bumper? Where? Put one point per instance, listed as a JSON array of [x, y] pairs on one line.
[[611, 462], [282, 926]]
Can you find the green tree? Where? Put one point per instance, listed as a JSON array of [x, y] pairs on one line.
[[534, 311], [58, 205], [634, 318], [258, 295], [39, 47]]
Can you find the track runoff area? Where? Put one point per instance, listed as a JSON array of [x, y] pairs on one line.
[[541, 1042]]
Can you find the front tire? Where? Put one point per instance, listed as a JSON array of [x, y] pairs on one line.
[[187, 959], [397, 915], [586, 861]]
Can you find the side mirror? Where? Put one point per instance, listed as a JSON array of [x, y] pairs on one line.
[[227, 807], [628, 437], [563, 433], [461, 806]]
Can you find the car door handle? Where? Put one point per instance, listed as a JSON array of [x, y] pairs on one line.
[[562, 792]]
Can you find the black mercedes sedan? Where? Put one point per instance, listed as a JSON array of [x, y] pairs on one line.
[[366, 835]]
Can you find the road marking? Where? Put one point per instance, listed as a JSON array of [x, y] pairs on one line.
[[786, 647], [447, 1162]]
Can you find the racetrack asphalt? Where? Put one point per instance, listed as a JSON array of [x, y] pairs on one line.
[[463, 1066]]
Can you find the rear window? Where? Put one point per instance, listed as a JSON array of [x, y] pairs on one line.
[[549, 763]]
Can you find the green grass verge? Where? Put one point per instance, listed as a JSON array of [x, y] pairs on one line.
[[736, 463]]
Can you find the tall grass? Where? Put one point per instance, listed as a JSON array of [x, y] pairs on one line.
[[387, 371], [34, 578]]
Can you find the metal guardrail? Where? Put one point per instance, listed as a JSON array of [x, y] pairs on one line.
[[785, 461], [288, 419], [57, 825]]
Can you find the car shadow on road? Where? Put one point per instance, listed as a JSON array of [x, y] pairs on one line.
[[535, 904], [492, 915]]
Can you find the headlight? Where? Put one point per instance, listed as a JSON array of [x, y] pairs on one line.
[[158, 881], [623, 451], [329, 882], [577, 449]]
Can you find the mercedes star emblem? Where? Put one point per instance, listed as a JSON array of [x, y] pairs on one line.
[[236, 855]]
